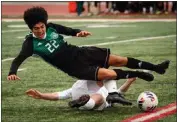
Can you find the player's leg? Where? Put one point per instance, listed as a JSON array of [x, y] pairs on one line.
[[113, 95], [111, 86], [123, 88], [111, 98], [90, 59], [133, 63], [87, 102], [108, 74], [81, 101], [79, 94], [96, 73], [116, 74], [95, 101]]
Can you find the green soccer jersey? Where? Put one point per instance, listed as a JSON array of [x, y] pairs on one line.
[[45, 48], [48, 47]]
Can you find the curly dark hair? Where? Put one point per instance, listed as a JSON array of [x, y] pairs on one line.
[[35, 15]]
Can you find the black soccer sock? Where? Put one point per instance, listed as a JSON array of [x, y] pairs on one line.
[[125, 74], [137, 64]]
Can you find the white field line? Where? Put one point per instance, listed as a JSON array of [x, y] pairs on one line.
[[98, 20], [21, 69], [7, 59], [111, 37], [110, 26], [130, 40], [114, 42], [17, 26], [88, 26], [17, 30], [158, 113], [21, 37]]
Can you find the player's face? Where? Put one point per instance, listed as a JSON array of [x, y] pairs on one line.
[[39, 30]]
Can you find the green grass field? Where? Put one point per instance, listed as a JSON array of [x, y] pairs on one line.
[[18, 107]]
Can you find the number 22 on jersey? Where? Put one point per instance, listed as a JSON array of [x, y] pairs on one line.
[[52, 46]]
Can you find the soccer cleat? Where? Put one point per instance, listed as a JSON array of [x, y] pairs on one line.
[[161, 68], [80, 101], [117, 98], [121, 95], [145, 76]]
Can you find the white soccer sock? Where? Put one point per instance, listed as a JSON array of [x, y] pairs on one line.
[[89, 105], [110, 85]]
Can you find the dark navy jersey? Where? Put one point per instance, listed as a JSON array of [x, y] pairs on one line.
[[46, 48]]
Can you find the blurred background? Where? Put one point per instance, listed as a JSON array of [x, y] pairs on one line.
[[95, 9]]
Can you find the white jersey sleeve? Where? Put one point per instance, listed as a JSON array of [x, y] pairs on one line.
[[66, 94]]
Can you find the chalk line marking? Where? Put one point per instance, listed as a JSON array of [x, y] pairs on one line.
[[155, 115], [7, 59], [17, 30], [17, 26], [21, 69], [110, 26], [130, 40], [111, 37]]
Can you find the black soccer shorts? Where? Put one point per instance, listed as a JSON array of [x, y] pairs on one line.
[[83, 62]]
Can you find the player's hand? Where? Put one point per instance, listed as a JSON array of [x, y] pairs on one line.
[[13, 77], [34, 93], [83, 34]]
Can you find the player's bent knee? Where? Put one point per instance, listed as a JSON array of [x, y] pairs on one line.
[[89, 105], [98, 98], [106, 74], [100, 103]]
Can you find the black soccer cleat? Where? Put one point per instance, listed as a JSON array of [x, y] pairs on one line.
[[145, 76], [161, 68], [80, 101], [117, 98]]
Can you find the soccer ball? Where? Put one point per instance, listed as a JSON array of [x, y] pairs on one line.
[[147, 101]]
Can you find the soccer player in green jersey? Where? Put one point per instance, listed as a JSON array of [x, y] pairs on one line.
[[89, 63]]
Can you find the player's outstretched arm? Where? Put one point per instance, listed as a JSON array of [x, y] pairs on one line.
[[39, 95], [126, 85], [13, 77], [65, 94], [25, 52]]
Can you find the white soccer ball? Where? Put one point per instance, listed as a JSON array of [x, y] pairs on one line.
[[147, 101]]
